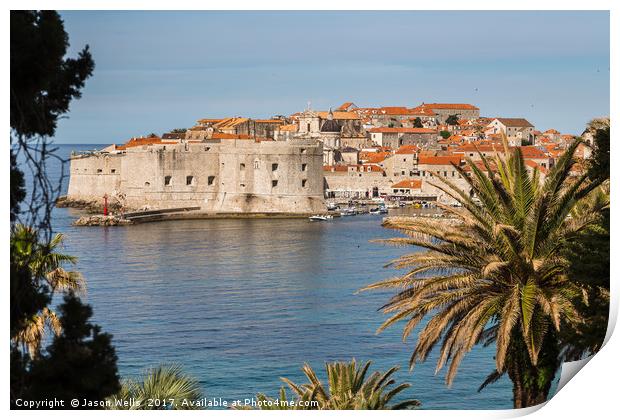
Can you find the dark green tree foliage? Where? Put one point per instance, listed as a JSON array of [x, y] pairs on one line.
[[417, 123], [452, 119], [43, 81], [444, 134], [80, 363], [28, 293], [590, 267], [599, 167]]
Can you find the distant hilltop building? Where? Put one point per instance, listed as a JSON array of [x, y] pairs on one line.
[[220, 173]]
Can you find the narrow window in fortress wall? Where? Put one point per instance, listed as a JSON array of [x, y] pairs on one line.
[[274, 183], [189, 180], [304, 167], [167, 179], [274, 166], [210, 180], [304, 182]]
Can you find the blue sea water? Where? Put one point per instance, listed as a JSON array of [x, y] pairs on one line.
[[241, 303]]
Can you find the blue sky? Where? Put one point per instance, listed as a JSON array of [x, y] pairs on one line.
[[161, 70]]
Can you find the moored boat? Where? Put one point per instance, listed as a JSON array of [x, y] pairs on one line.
[[321, 217]]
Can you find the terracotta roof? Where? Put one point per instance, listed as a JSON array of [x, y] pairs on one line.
[[533, 164], [288, 127], [345, 106], [414, 184], [394, 110], [412, 130], [552, 131], [407, 149], [374, 157], [532, 152], [439, 160], [142, 141], [271, 121], [451, 106], [423, 111], [230, 122]]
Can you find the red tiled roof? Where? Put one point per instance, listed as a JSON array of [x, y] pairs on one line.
[[142, 141], [423, 111], [271, 121], [407, 149], [345, 106], [374, 157], [414, 184], [532, 152], [533, 164], [451, 106], [439, 160]]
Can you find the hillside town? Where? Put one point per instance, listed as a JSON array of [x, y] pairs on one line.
[[394, 153]]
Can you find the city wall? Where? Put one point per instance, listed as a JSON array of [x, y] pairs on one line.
[[235, 176]]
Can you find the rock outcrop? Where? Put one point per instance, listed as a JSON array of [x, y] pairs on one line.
[[101, 220]]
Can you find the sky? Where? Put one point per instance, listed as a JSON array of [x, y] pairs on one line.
[[155, 71]]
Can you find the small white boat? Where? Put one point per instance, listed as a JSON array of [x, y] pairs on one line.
[[321, 218], [348, 212]]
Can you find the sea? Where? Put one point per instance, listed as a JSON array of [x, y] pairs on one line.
[[241, 303]]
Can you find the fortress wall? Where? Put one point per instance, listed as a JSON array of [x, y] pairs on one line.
[[92, 176], [269, 177], [236, 176], [157, 176]]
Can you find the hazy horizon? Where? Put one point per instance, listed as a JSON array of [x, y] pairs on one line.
[[155, 71]]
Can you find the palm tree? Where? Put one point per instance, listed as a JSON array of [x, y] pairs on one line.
[[165, 387], [348, 389], [498, 276], [45, 266]]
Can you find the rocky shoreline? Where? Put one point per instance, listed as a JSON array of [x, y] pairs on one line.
[[101, 220], [94, 206]]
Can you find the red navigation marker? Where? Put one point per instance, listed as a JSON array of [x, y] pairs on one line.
[[105, 204]]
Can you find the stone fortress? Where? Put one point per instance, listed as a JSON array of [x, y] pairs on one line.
[[219, 175]]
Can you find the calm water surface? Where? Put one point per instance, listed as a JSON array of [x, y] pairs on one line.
[[241, 303]]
